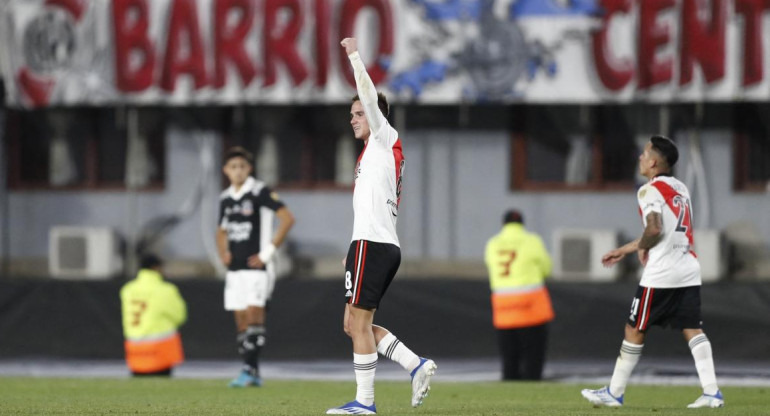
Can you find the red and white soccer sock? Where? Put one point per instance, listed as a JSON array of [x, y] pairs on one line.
[[700, 347], [365, 366], [394, 349], [624, 366]]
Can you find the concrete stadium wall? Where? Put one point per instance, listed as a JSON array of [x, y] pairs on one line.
[[434, 316], [455, 190]]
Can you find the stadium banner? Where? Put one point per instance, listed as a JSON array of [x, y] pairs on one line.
[[180, 52]]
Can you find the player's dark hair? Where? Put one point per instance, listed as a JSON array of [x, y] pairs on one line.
[[513, 216], [382, 102], [150, 261], [238, 151], [666, 148]]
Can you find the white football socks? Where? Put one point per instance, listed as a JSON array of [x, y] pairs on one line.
[[365, 366], [629, 356], [700, 347], [394, 349]]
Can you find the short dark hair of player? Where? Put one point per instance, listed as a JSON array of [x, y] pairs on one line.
[[150, 261], [238, 151], [513, 216], [666, 148], [382, 102]]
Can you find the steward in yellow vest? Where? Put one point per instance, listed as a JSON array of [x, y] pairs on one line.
[[152, 310], [521, 306]]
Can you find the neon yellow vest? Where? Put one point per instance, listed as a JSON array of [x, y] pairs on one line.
[[518, 265], [151, 307]]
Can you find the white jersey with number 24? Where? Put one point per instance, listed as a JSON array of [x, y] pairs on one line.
[[672, 262]]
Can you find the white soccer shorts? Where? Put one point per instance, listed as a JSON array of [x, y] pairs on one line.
[[244, 288]]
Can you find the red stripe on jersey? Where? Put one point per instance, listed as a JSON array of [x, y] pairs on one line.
[[669, 194], [398, 155], [360, 279], [362, 154]]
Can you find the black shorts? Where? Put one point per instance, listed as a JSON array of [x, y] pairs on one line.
[[369, 269], [678, 308]]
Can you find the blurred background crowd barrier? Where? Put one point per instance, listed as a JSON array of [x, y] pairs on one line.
[[444, 318]]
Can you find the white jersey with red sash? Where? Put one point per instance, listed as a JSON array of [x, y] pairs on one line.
[[672, 262], [378, 175], [376, 192]]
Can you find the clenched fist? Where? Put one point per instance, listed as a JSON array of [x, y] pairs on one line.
[[350, 45]]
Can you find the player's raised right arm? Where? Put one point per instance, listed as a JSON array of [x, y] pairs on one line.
[[367, 93]]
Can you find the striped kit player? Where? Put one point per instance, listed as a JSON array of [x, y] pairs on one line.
[[672, 267], [669, 291], [247, 245], [374, 254]]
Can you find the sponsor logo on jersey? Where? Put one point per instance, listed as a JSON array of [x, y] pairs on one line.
[[349, 294], [247, 208], [238, 231], [275, 196], [393, 207]]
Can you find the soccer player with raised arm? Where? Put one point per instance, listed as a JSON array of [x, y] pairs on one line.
[[374, 254], [669, 292]]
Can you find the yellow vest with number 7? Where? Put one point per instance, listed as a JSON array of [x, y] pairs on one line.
[[518, 265]]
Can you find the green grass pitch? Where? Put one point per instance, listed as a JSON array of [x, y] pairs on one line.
[[71, 396]]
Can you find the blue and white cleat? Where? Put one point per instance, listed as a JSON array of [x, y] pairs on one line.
[[245, 379], [708, 400], [602, 397], [353, 408], [421, 380]]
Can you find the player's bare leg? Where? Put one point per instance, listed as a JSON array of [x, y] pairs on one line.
[[358, 325]]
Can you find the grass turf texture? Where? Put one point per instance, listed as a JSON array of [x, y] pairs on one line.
[[60, 396]]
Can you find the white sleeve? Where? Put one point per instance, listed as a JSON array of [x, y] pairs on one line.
[[650, 200], [367, 94]]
